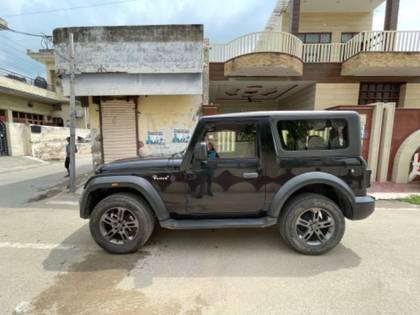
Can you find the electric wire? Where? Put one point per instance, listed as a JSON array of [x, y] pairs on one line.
[[70, 8]]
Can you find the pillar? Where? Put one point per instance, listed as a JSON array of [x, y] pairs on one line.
[[294, 16], [386, 141], [391, 15]]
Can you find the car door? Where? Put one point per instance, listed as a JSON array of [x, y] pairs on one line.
[[230, 182]]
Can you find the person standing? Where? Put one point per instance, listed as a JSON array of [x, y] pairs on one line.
[[207, 171], [67, 160]]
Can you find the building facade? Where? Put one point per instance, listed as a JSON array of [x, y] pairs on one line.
[[143, 85], [26, 102], [323, 54], [316, 54]]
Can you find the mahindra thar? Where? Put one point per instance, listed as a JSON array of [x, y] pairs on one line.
[[301, 171]]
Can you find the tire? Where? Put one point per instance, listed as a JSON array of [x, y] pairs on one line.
[[112, 215], [311, 224]]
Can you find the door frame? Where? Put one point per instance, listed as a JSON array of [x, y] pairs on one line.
[[258, 158]]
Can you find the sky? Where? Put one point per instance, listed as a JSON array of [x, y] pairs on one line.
[[223, 20]]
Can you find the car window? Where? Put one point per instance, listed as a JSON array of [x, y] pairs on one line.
[[235, 140], [313, 134]]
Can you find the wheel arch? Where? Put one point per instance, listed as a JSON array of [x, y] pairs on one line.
[[318, 182], [100, 187]]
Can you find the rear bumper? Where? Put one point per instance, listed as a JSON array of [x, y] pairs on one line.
[[363, 207]]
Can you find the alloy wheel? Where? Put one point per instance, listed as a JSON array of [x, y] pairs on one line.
[[119, 225], [315, 226]]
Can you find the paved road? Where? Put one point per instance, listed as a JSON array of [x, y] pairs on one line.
[[19, 186], [50, 265]]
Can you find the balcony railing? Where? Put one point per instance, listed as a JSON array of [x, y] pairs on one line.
[[257, 42], [317, 53], [39, 83], [383, 41], [369, 41]]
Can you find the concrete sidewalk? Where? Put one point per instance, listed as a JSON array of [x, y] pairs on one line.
[[15, 163], [388, 190], [23, 186]]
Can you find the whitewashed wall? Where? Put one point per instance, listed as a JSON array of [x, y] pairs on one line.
[[18, 136], [49, 144]]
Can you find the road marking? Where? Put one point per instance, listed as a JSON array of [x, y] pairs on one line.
[[48, 246], [67, 203]]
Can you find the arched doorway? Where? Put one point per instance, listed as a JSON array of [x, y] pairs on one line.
[[3, 139], [404, 157]]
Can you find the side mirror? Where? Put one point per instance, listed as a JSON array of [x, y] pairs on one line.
[[200, 151]]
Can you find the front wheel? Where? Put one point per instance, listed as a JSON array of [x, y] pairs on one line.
[[121, 223], [312, 224]]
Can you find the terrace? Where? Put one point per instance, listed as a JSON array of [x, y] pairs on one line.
[[15, 84], [369, 53]]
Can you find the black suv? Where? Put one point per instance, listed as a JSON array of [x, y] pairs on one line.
[[302, 171]]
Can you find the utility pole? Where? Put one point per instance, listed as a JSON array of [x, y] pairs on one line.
[[72, 118], [72, 169]]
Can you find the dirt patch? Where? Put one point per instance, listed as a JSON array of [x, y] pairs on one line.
[[91, 287]]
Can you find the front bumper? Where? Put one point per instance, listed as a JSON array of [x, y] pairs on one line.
[[84, 203], [363, 207]]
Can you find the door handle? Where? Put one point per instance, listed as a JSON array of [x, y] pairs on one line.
[[250, 175]]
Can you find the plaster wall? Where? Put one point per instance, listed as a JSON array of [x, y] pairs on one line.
[[132, 49], [333, 94], [165, 114], [335, 22], [303, 99], [410, 95]]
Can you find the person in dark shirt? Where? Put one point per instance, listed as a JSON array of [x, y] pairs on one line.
[[211, 156], [67, 160], [205, 175], [211, 152]]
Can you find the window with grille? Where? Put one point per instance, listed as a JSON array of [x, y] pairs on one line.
[[373, 92], [346, 36], [315, 38], [29, 118]]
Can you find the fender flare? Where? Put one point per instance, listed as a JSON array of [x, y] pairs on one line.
[[141, 185], [302, 180]]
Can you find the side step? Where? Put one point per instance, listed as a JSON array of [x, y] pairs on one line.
[[218, 223]]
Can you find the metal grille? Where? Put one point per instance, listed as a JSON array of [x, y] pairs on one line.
[[3, 140]]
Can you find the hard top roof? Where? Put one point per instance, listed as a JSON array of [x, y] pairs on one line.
[[304, 114]]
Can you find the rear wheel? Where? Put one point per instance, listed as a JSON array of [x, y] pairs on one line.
[[311, 224], [121, 223]]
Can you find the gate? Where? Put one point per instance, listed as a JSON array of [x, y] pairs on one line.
[[3, 139]]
